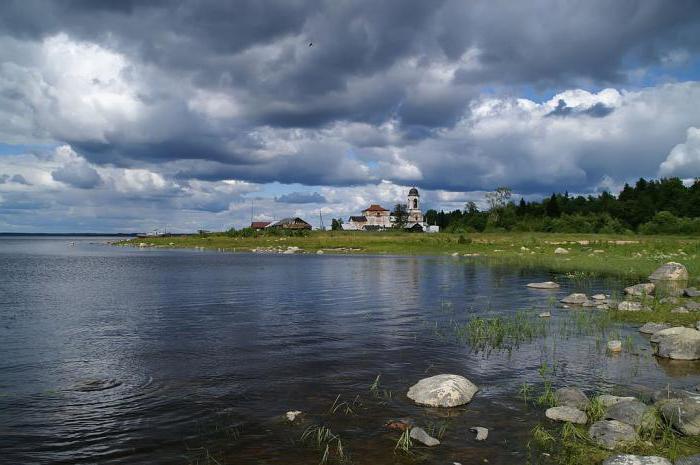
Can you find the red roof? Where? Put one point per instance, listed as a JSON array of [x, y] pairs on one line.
[[259, 224], [376, 208]]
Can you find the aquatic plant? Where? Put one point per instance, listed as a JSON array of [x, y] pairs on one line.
[[324, 440], [404, 442]]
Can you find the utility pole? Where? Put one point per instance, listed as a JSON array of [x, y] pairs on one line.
[[320, 216]]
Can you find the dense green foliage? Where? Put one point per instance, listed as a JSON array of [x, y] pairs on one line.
[[664, 206]]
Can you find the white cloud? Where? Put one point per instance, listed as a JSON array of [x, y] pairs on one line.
[[684, 159]]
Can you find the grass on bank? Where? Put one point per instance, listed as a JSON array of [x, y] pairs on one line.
[[631, 256]]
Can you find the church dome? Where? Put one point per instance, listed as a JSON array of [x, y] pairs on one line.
[[413, 191]]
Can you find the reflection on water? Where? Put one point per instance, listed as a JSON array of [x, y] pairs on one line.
[[112, 355]]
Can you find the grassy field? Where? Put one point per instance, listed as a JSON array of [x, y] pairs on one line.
[[626, 256]]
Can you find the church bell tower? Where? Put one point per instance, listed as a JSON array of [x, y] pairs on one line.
[[414, 213]]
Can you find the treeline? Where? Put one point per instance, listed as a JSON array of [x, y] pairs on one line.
[[664, 206]]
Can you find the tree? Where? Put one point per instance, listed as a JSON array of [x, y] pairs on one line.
[[552, 209], [336, 224], [400, 215], [497, 201]]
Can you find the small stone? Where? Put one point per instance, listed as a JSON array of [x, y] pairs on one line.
[[598, 251], [631, 412], [692, 305], [571, 397], [443, 391], [639, 290], [319, 252], [544, 285], [545, 315], [560, 251], [567, 414], [689, 460], [292, 415], [629, 306], [611, 434], [455, 254], [615, 346], [636, 460], [481, 432], [575, 299], [590, 303], [671, 271], [599, 297], [421, 436], [691, 292], [608, 400], [603, 307], [680, 310], [651, 328], [669, 300]]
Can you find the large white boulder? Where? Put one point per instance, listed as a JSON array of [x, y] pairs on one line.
[[670, 271], [678, 343], [443, 391]]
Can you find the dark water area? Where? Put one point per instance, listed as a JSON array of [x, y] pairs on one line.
[[115, 355]]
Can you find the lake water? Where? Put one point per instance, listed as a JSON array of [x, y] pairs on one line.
[[115, 355]]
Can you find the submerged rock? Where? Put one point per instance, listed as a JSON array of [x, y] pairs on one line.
[[651, 328], [631, 412], [639, 290], [611, 434], [667, 394], [575, 299], [636, 460], [545, 315], [567, 414], [571, 397], [670, 271], [682, 414], [544, 285], [421, 436], [481, 432], [443, 391], [678, 343], [400, 424]]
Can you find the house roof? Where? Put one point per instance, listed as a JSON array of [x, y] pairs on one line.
[[291, 220], [375, 208], [358, 219], [259, 224]]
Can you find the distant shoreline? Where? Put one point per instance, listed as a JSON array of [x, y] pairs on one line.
[[11, 234]]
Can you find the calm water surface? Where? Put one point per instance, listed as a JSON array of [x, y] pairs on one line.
[[112, 355]]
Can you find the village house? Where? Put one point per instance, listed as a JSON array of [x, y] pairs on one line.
[[295, 223], [258, 225]]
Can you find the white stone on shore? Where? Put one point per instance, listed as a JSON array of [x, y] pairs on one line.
[[639, 290], [651, 328], [567, 414], [599, 297], [670, 271], [443, 391], [627, 459], [560, 250]]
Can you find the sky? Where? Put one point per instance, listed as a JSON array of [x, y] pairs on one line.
[[126, 116]]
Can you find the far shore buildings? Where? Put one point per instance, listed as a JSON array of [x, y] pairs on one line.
[[295, 223], [375, 217]]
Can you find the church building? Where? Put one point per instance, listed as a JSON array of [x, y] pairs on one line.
[[376, 217]]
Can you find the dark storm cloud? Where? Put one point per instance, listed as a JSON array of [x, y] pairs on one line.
[[216, 83], [301, 197]]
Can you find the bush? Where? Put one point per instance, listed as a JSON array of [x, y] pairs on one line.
[[464, 240]]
